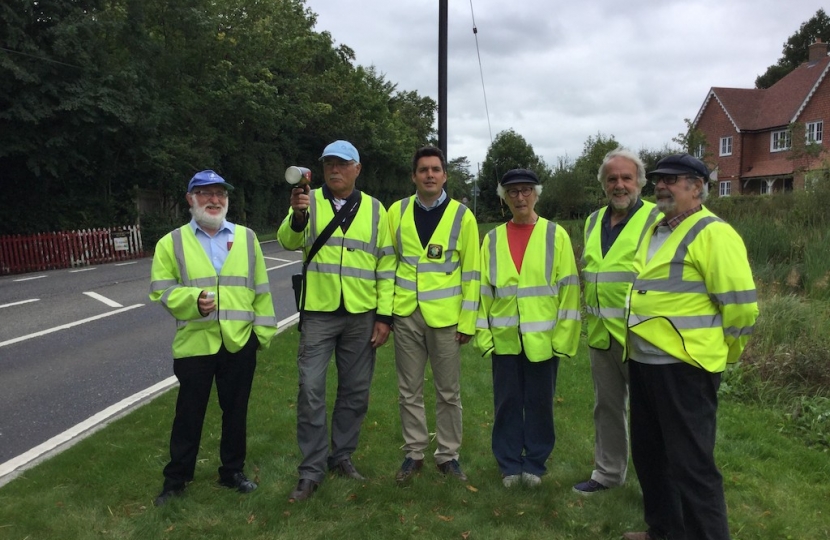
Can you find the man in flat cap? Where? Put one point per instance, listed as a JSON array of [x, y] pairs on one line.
[[347, 310], [692, 308], [210, 275]]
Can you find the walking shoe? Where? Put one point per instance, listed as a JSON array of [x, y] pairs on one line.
[[530, 479], [345, 467], [452, 467], [511, 480], [589, 487], [239, 482], [305, 489], [637, 536], [408, 468], [167, 494]]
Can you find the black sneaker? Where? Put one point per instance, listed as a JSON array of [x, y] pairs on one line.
[[410, 466], [589, 487], [452, 468], [167, 494]]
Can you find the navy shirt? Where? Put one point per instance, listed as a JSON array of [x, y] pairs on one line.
[[609, 233]]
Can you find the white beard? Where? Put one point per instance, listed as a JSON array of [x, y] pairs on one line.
[[205, 219]]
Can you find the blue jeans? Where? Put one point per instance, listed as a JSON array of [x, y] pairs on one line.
[[523, 430]]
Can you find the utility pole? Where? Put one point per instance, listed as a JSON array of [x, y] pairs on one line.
[[443, 9]]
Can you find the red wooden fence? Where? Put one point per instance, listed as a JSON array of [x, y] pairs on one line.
[[68, 249]]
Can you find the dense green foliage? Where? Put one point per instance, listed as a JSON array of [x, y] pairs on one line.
[[103, 102], [795, 50]]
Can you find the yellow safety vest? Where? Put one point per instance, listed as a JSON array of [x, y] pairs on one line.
[[695, 299], [182, 270], [536, 310], [607, 280], [358, 266], [442, 279]]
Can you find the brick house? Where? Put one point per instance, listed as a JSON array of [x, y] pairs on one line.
[[750, 132]]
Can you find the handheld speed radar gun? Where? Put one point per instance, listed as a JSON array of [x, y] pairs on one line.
[[298, 176]]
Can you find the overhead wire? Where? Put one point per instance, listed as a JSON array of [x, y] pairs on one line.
[[481, 73]]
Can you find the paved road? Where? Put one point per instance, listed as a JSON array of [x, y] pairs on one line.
[[75, 342]]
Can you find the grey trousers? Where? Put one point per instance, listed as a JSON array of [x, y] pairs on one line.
[[348, 337], [415, 344], [610, 376]]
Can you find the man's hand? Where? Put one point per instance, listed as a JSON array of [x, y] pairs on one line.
[[380, 334], [206, 305], [462, 338], [299, 203]]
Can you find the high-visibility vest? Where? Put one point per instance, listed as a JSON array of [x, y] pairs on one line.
[[442, 279], [695, 299], [358, 266], [536, 310], [182, 270], [606, 280]]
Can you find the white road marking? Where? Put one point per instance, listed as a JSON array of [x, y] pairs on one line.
[[29, 278], [125, 263], [21, 302], [83, 269], [65, 326], [283, 265], [104, 299], [17, 465]]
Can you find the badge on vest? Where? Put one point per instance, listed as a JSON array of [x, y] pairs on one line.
[[434, 251]]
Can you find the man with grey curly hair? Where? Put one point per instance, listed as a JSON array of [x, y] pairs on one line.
[[612, 235]]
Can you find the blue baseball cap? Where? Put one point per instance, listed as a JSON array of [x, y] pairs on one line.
[[343, 150], [207, 178]]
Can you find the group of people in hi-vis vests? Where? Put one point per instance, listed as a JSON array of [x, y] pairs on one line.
[[667, 291]]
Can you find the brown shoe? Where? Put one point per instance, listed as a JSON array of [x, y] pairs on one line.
[[637, 536], [305, 488], [452, 468], [410, 467], [346, 468]]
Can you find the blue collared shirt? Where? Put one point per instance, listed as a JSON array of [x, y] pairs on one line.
[[217, 246], [435, 203]]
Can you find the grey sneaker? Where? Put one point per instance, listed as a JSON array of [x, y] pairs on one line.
[[452, 468], [511, 480], [589, 487], [530, 479]]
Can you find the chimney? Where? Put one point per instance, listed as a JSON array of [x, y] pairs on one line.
[[818, 50]]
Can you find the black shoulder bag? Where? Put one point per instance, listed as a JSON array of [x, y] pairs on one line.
[[298, 280]]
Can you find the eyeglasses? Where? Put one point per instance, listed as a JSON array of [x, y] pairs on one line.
[[221, 195], [669, 179], [514, 192], [336, 162]]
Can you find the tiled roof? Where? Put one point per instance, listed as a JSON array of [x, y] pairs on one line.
[[769, 168], [777, 106]]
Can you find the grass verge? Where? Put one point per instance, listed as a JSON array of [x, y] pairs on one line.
[[776, 486]]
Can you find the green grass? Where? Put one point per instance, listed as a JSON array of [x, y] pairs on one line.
[[103, 487]]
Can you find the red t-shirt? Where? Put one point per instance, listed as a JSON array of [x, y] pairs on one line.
[[518, 235]]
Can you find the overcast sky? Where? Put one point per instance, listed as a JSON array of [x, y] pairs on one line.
[[557, 72]]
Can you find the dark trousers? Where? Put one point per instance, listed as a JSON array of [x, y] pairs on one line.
[[234, 374], [673, 426], [523, 431]]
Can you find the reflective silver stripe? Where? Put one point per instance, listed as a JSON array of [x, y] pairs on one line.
[[486, 290], [532, 292], [676, 267], [162, 284], [324, 268], [387, 274], [399, 235], [481, 322], [493, 264], [591, 310], [212, 316], [166, 295], [469, 305], [670, 286], [251, 277], [455, 232], [540, 326], [549, 253], [233, 281], [265, 320], [411, 261], [568, 280], [352, 243], [472, 275], [511, 321], [736, 297], [683, 322], [359, 273], [446, 267], [506, 292], [178, 252], [203, 282], [236, 315], [592, 222], [384, 251], [568, 314], [615, 277], [735, 332], [262, 288], [404, 283], [373, 241], [588, 276], [312, 226], [606, 312], [439, 294]]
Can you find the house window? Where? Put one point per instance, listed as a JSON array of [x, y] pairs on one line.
[[726, 146], [725, 189], [814, 132], [781, 140], [699, 151]]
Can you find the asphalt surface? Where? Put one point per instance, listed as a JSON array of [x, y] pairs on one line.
[[76, 342]]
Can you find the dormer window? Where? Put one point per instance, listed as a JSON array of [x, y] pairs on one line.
[[780, 140]]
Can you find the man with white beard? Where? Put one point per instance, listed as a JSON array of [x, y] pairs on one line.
[[210, 275], [612, 235]]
